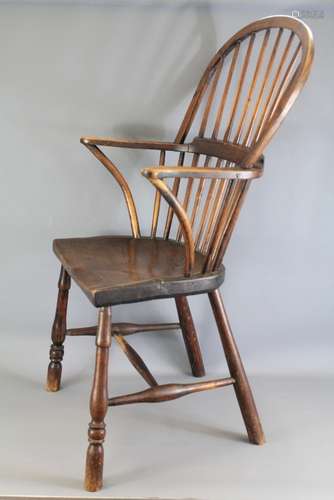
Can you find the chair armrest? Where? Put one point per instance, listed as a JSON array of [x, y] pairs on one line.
[[92, 144], [198, 172], [156, 176], [134, 144]]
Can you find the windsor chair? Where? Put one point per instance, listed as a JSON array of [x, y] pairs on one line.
[[242, 97]]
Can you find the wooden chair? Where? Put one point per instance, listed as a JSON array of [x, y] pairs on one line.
[[241, 99]]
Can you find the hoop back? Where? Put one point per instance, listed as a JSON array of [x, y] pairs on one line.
[[242, 98]]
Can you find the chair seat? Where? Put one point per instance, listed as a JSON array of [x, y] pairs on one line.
[[120, 269]]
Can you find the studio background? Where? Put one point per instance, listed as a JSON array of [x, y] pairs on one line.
[[129, 69]]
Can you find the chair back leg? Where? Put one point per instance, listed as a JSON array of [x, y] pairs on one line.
[[189, 336], [98, 404], [58, 333], [241, 386]]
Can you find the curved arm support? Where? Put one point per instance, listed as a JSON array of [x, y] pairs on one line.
[[108, 164], [183, 219], [156, 176]]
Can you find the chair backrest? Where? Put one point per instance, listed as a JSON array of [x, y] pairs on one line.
[[241, 99]]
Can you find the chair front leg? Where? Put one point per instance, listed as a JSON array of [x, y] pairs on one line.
[[98, 404], [241, 386], [190, 336], [58, 333]]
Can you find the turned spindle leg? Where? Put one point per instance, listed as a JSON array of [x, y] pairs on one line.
[[98, 404], [58, 333], [241, 386], [190, 336]]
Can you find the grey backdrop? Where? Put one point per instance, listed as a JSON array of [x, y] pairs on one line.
[[129, 69]]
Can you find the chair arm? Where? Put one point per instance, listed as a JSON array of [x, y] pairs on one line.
[[156, 176], [92, 143], [119, 178], [198, 172], [134, 144]]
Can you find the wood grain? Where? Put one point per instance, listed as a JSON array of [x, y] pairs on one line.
[[125, 329], [98, 404], [58, 333], [136, 360], [241, 386], [190, 336], [167, 392]]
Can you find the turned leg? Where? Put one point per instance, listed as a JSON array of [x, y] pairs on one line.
[[58, 333], [190, 336], [241, 386], [98, 404]]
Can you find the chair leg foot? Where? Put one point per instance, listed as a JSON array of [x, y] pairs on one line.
[[189, 336], [241, 386], [98, 404], [58, 334], [54, 368], [94, 467]]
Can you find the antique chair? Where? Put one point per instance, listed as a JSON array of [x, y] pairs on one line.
[[241, 99]]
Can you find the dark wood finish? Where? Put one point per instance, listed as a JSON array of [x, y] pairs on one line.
[[116, 270], [199, 145], [190, 336], [58, 333], [133, 144], [237, 181], [98, 404], [241, 386], [157, 201], [136, 361], [167, 392], [241, 100], [232, 173], [219, 149], [286, 99], [111, 167], [125, 329]]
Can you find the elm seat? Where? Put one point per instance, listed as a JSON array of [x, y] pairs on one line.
[[119, 269]]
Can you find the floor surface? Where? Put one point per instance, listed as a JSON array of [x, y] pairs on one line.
[[194, 447]]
